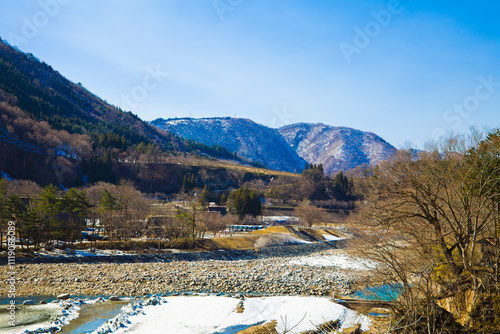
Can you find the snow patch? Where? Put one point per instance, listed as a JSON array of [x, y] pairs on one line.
[[211, 314], [70, 311], [340, 261], [329, 237], [278, 240]]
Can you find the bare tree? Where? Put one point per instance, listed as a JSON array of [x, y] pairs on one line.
[[134, 207], [439, 207], [188, 212], [212, 222], [310, 214], [23, 188]]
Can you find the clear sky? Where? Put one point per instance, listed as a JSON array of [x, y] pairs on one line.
[[406, 70]]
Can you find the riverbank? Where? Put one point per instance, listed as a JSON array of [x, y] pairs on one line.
[[88, 256], [293, 270]]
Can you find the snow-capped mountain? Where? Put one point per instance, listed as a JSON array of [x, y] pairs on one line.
[[287, 148], [243, 136], [337, 148]]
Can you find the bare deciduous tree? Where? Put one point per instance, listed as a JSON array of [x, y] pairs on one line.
[[310, 214], [430, 215]]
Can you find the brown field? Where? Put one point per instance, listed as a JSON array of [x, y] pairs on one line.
[[272, 229], [235, 242]]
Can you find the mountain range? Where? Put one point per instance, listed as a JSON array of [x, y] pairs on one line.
[[288, 148], [55, 131]]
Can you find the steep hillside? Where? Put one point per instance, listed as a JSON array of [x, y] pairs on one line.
[[45, 95], [337, 148], [247, 138], [55, 131]]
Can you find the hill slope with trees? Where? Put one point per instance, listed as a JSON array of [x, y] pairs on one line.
[[53, 131], [249, 139]]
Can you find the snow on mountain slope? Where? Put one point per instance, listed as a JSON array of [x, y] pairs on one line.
[[287, 148], [337, 148], [243, 136]]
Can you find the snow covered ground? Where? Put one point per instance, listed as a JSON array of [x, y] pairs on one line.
[[33, 315], [212, 314], [278, 240], [80, 253], [334, 260], [68, 310], [329, 237]]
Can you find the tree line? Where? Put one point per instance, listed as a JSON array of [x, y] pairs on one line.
[[44, 215]]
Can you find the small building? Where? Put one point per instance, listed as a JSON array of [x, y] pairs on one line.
[[217, 208]]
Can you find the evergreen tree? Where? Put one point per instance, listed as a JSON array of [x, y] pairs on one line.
[[342, 187], [109, 204], [76, 205], [205, 196], [320, 168], [25, 228], [243, 202], [48, 210], [223, 198], [188, 183]]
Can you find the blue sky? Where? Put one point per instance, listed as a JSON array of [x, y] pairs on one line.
[[406, 70]]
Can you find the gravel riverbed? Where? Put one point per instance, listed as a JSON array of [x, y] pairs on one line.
[[281, 275]]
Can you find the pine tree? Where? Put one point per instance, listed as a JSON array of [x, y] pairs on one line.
[[76, 205], [109, 204], [48, 209], [244, 201], [205, 196], [223, 198]]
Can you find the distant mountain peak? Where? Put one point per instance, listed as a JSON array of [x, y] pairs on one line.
[[287, 148], [243, 136], [336, 147]]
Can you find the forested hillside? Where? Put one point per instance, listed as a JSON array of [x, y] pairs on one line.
[[249, 139], [53, 131]]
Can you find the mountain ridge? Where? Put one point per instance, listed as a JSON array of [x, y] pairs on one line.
[[241, 135], [337, 148]]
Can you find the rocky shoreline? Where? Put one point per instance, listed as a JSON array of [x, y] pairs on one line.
[[264, 272], [168, 255]]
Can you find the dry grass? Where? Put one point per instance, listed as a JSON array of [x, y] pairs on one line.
[[230, 165], [336, 233], [268, 328], [236, 242], [316, 233], [272, 229]]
